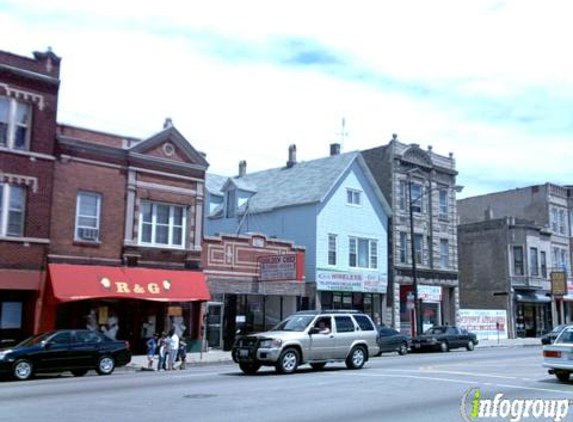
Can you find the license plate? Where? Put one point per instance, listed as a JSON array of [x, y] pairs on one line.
[[244, 353]]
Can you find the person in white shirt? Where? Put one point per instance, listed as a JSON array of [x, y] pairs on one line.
[[173, 348]]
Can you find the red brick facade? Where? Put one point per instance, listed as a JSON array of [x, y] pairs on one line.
[[33, 83]]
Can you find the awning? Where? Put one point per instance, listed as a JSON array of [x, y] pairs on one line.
[[532, 297], [20, 279], [78, 282]]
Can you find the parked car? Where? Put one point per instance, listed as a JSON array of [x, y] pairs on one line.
[[445, 338], [391, 340], [310, 337], [549, 338], [558, 357], [77, 351]]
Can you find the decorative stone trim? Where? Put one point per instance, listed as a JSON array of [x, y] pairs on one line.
[[24, 95], [19, 179]]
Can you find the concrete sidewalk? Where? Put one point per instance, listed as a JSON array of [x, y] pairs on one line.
[[139, 362]]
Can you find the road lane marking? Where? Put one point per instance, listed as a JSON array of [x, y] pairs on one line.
[[438, 371], [454, 381]]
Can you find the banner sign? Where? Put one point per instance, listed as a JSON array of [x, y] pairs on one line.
[[277, 267], [558, 283], [430, 293], [365, 282], [484, 323]]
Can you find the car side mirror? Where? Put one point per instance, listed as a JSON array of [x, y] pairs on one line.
[[47, 344], [313, 330]]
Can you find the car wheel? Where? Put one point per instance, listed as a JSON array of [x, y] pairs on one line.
[[444, 346], [471, 346], [403, 349], [318, 366], [105, 365], [249, 368], [356, 358], [23, 370], [288, 361], [562, 376], [79, 372]]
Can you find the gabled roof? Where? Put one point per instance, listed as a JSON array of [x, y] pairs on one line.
[[171, 134], [306, 182]]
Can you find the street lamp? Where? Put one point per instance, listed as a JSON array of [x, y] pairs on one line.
[[411, 201]]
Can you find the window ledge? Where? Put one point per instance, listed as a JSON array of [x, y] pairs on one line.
[[87, 243], [24, 239]]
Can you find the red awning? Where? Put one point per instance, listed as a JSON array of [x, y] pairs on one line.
[[20, 279], [78, 282]]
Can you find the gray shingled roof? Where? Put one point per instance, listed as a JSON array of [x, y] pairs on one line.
[[305, 183]]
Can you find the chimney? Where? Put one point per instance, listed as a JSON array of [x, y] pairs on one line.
[[489, 213], [291, 156], [168, 123], [242, 168], [334, 149]]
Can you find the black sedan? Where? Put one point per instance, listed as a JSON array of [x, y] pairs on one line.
[[550, 337], [444, 338], [77, 351], [391, 340]]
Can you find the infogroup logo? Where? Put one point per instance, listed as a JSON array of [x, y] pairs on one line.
[[474, 407]]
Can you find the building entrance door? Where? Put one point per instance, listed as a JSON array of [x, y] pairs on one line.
[[214, 324]]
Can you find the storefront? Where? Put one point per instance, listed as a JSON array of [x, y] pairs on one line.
[[128, 303], [18, 294], [432, 306], [533, 313], [362, 291]]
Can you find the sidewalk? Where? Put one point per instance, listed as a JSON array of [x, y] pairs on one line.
[[139, 362]]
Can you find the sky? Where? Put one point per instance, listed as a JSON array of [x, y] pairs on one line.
[[489, 81]]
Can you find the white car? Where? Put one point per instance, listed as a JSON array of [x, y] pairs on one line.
[[558, 357]]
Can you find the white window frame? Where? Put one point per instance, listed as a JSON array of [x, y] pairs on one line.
[[95, 230], [353, 250], [353, 197], [13, 124], [332, 241], [5, 210], [170, 225]]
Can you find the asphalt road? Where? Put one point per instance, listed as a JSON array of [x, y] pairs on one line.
[[415, 387]]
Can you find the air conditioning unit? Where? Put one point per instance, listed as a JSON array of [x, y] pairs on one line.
[[88, 234]]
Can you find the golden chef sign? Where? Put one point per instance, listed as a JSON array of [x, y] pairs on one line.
[[124, 287]]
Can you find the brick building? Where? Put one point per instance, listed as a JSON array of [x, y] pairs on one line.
[[126, 231], [254, 281], [433, 181], [28, 106]]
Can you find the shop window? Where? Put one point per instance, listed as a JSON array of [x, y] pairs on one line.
[[12, 207], [15, 118], [88, 207], [10, 315], [162, 225]]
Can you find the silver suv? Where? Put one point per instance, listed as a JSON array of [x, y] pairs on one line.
[[313, 337]]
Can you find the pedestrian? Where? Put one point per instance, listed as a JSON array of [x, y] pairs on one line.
[[182, 354], [151, 348], [173, 348], [161, 365]]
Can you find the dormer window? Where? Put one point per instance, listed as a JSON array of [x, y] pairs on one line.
[[15, 118], [231, 203]]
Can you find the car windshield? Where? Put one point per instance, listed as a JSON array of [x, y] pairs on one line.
[[34, 340], [566, 336], [436, 330], [558, 328], [294, 323]]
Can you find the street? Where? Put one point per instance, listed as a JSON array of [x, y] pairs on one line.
[[415, 387]]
